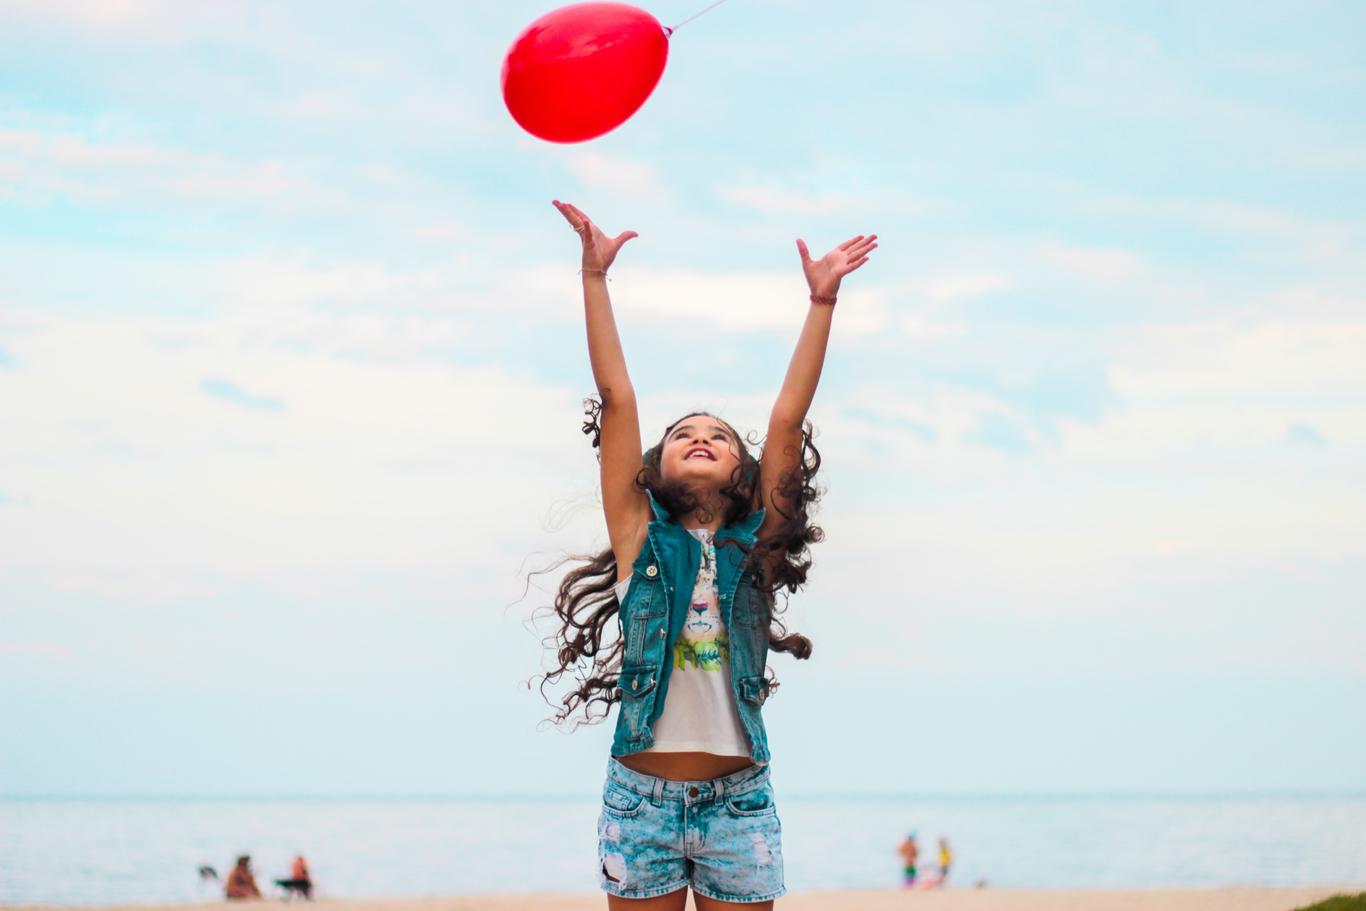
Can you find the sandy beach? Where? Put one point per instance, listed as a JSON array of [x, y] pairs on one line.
[[1231, 899]]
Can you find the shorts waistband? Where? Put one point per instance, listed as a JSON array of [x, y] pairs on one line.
[[741, 782]]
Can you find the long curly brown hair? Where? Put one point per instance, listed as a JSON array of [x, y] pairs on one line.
[[586, 601]]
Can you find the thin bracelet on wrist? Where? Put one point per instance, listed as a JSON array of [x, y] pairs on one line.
[[822, 300]]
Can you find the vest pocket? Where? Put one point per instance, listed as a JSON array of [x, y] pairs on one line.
[[650, 600], [754, 689], [637, 681], [635, 638]]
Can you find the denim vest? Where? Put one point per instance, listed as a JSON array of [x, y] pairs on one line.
[[652, 618]]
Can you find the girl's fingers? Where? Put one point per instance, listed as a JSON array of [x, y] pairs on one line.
[[623, 237], [563, 210], [850, 242], [577, 220], [802, 251], [860, 250]]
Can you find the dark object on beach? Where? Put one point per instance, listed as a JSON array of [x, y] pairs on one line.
[[207, 872], [293, 887], [241, 883], [300, 881], [1340, 903]]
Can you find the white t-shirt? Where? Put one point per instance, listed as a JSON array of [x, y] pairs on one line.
[[699, 709]]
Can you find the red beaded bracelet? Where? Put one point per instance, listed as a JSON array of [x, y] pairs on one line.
[[827, 301]]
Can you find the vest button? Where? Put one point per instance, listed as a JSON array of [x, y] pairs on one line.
[[652, 571], [635, 683]]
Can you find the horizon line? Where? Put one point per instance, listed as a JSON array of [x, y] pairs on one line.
[[561, 797]]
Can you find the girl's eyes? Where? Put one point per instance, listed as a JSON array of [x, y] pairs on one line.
[[715, 436]]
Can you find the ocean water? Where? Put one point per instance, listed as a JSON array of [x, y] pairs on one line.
[[66, 852]]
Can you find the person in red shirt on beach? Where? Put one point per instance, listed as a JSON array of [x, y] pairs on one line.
[[300, 881]]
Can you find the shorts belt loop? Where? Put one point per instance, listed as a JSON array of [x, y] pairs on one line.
[[658, 799], [720, 788]]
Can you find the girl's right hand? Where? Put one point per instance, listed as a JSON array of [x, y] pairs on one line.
[[599, 250]]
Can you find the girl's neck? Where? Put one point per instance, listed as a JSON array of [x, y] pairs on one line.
[[694, 523], [710, 514]]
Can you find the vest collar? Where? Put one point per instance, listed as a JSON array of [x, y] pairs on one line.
[[743, 530]]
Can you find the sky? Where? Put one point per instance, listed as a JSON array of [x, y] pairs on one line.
[[292, 364]]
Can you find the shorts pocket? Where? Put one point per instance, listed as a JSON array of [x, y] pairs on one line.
[[621, 803], [758, 802]]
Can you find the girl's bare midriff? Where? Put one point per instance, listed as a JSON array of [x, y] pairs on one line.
[[685, 766]]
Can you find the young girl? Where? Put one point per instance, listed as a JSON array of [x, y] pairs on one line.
[[702, 536]]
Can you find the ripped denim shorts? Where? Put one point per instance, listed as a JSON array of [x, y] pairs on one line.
[[721, 837]]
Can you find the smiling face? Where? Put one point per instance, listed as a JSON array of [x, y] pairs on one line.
[[700, 449]]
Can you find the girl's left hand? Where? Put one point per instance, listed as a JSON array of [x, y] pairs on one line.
[[823, 275], [599, 250]]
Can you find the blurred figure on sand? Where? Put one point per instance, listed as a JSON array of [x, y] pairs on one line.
[[241, 883], [300, 882], [208, 879], [945, 860], [910, 853]]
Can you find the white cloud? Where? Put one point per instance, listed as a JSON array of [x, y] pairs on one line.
[[1317, 240], [625, 177], [135, 481], [284, 285], [1102, 264], [60, 159], [36, 649], [776, 200], [737, 301], [944, 290], [1317, 361], [150, 20]]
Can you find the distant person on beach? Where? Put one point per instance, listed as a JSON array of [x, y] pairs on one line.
[[300, 882], [241, 883], [945, 860], [301, 875], [674, 621], [910, 854]]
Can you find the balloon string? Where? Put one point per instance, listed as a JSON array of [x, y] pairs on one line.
[[694, 16]]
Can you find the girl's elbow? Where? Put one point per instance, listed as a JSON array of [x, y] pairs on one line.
[[786, 419], [616, 398]]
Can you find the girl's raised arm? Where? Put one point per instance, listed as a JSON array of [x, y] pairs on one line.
[[783, 446], [625, 507]]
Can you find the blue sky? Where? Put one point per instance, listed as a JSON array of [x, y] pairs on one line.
[[291, 364]]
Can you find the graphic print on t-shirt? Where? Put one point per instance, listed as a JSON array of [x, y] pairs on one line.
[[703, 644]]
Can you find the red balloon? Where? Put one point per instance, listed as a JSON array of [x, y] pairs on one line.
[[582, 70]]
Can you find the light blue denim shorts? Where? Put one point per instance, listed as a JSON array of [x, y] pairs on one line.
[[721, 837]]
